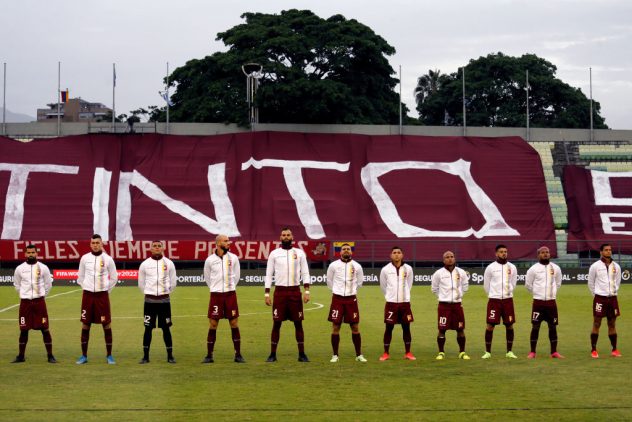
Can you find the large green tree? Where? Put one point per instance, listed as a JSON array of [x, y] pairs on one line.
[[315, 70], [495, 95]]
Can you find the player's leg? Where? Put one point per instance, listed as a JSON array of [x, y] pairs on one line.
[[533, 338], [211, 336], [509, 330], [22, 341], [594, 335], [300, 340], [107, 335], [236, 337], [149, 323], [489, 336], [612, 335], [388, 336], [441, 343], [406, 336], [460, 339], [166, 336], [553, 338], [335, 339], [357, 340], [48, 344], [85, 339]]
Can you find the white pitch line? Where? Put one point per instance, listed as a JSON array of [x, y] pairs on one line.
[[318, 306], [49, 297]]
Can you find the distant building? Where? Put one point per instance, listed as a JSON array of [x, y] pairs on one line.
[[75, 110]]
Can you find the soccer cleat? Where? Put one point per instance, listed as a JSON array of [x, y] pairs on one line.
[[511, 355], [143, 361], [385, 356], [51, 359], [110, 360], [18, 359], [531, 355], [440, 356], [464, 356], [616, 353], [360, 358], [239, 359], [409, 356], [594, 354], [272, 358], [556, 355], [486, 355], [82, 360], [334, 359], [208, 359], [302, 357], [171, 360]]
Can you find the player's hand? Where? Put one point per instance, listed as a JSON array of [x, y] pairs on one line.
[[306, 297], [268, 301]]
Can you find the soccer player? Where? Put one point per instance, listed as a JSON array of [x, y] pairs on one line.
[[97, 277], [288, 267], [221, 274], [344, 277], [604, 279], [396, 280], [448, 284], [499, 280], [32, 280], [543, 280], [157, 280]]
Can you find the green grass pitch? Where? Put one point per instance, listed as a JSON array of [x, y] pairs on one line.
[[576, 388]]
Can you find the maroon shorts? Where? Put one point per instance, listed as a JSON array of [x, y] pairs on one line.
[[33, 314], [500, 308], [398, 313], [606, 306], [344, 309], [95, 308], [223, 305], [544, 310], [287, 304], [450, 316]]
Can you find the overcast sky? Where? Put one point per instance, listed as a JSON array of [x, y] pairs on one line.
[[141, 36]]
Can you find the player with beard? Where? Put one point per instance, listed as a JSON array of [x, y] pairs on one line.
[[449, 284], [344, 277], [32, 280], [543, 280], [221, 274], [499, 281], [97, 277], [157, 280], [287, 266], [604, 279]]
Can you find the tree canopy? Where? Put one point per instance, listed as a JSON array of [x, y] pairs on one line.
[[315, 70], [495, 95]]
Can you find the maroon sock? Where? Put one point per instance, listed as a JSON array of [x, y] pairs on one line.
[[48, 342], [210, 341], [234, 332], [461, 341], [535, 331], [388, 336], [593, 341], [510, 339], [357, 343], [24, 338], [441, 342], [489, 336], [407, 337], [275, 336], [553, 338], [300, 336], [108, 340], [613, 341], [335, 342], [85, 337]]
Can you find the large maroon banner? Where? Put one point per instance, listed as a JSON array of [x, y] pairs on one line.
[[599, 209], [250, 185]]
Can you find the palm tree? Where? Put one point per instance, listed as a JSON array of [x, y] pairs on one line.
[[427, 85]]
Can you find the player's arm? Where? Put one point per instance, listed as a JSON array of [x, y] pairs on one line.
[[487, 278], [558, 277], [112, 272], [207, 272], [173, 277], [17, 279], [237, 270], [48, 280], [330, 276], [592, 276], [465, 281], [383, 281], [141, 277], [359, 275], [82, 272], [434, 284], [409, 278], [617, 280], [514, 276], [528, 281], [305, 277], [268, 280]]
